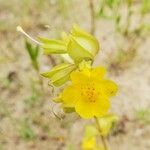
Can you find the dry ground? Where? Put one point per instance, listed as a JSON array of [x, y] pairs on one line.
[[26, 118]]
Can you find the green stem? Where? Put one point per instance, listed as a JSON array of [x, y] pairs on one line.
[[101, 136], [92, 12], [126, 31]]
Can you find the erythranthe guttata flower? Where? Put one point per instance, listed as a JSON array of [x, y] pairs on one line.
[[89, 92]]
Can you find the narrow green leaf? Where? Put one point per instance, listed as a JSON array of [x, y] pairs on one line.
[[36, 52], [29, 49]]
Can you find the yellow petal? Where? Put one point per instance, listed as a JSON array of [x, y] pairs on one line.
[[101, 107], [84, 109], [80, 77], [69, 96], [109, 87], [90, 109], [98, 72], [89, 143]]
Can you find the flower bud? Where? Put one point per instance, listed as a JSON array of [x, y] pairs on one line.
[[59, 74], [53, 46], [82, 45]]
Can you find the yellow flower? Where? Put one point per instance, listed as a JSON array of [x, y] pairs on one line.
[[89, 143], [89, 92]]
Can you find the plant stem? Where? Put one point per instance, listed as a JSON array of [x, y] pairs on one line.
[[126, 31], [101, 136], [92, 12]]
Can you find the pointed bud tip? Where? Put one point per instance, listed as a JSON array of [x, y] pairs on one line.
[[19, 29]]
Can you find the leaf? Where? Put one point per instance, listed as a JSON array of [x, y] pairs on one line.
[[36, 53], [110, 3], [145, 7], [29, 49], [33, 53]]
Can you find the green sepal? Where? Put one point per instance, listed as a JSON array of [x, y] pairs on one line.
[[85, 64], [57, 99], [68, 109]]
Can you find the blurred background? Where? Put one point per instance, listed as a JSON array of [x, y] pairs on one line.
[[29, 120]]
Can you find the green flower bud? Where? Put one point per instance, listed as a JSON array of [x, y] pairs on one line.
[[59, 74], [53, 46], [82, 45]]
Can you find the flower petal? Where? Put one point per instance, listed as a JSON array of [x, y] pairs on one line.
[[70, 96], [98, 72], [109, 88], [80, 77], [101, 107], [88, 110], [83, 108]]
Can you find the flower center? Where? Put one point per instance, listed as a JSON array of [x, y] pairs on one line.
[[89, 93]]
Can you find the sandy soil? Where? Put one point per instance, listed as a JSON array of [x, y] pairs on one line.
[[18, 80]]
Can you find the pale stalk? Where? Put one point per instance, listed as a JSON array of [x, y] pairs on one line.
[[101, 136]]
